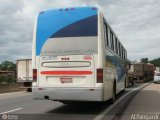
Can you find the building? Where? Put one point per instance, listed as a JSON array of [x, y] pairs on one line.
[[8, 73]]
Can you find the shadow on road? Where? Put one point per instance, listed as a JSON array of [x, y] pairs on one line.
[[84, 108], [81, 108]]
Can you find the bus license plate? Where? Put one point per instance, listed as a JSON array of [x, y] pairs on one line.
[[66, 80]]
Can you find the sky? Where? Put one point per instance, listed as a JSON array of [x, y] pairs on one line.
[[135, 22]]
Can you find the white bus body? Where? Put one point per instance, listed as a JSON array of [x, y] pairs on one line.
[[74, 66]]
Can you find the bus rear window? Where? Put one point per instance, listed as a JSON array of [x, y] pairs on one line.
[[84, 27]]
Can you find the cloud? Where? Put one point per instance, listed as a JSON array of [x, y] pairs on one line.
[[135, 22], [137, 25]]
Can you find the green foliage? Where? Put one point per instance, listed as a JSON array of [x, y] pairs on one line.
[[156, 62], [7, 66], [7, 79], [144, 60]]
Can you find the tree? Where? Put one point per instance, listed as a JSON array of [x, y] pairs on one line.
[[144, 60], [7, 66], [156, 62]]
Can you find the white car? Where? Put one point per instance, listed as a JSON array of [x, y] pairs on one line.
[[157, 77]]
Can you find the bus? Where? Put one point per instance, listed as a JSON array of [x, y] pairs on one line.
[[76, 56]]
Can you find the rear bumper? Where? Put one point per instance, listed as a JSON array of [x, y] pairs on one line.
[[68, 94]]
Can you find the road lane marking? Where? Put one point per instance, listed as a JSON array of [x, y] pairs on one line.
[[103, 113], [11, 111]]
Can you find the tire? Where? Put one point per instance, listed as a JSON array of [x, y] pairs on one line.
[[123, 91], [125, 85], [29, 89], [113, 99]]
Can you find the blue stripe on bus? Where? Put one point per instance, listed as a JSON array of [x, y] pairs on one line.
[[85, 27], [50, 22], [117, 63]]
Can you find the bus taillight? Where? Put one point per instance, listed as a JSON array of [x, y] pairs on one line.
[[87, 57], [99, 75], [34, 74]]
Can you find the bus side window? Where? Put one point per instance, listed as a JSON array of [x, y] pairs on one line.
[[105, 37], [116, 43], [125, 55], [112, 42], [107, 40], [122, 52], [119, 49], [109, 37]]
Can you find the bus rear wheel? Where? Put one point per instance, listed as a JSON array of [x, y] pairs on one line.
[[113, 99]]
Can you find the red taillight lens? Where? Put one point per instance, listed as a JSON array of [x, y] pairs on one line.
[[99, 75], [87, 57], [34, 74]]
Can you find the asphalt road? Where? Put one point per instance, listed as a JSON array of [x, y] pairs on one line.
[[141, 99]]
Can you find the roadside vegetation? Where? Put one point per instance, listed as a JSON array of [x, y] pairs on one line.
[[155, 62], [7, 72]]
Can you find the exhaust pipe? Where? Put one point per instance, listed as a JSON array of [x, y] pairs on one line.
[[46, 97]]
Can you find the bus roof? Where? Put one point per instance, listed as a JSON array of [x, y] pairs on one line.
[[51, 21]]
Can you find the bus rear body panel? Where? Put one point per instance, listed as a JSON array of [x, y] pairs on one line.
[[66, 49]]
